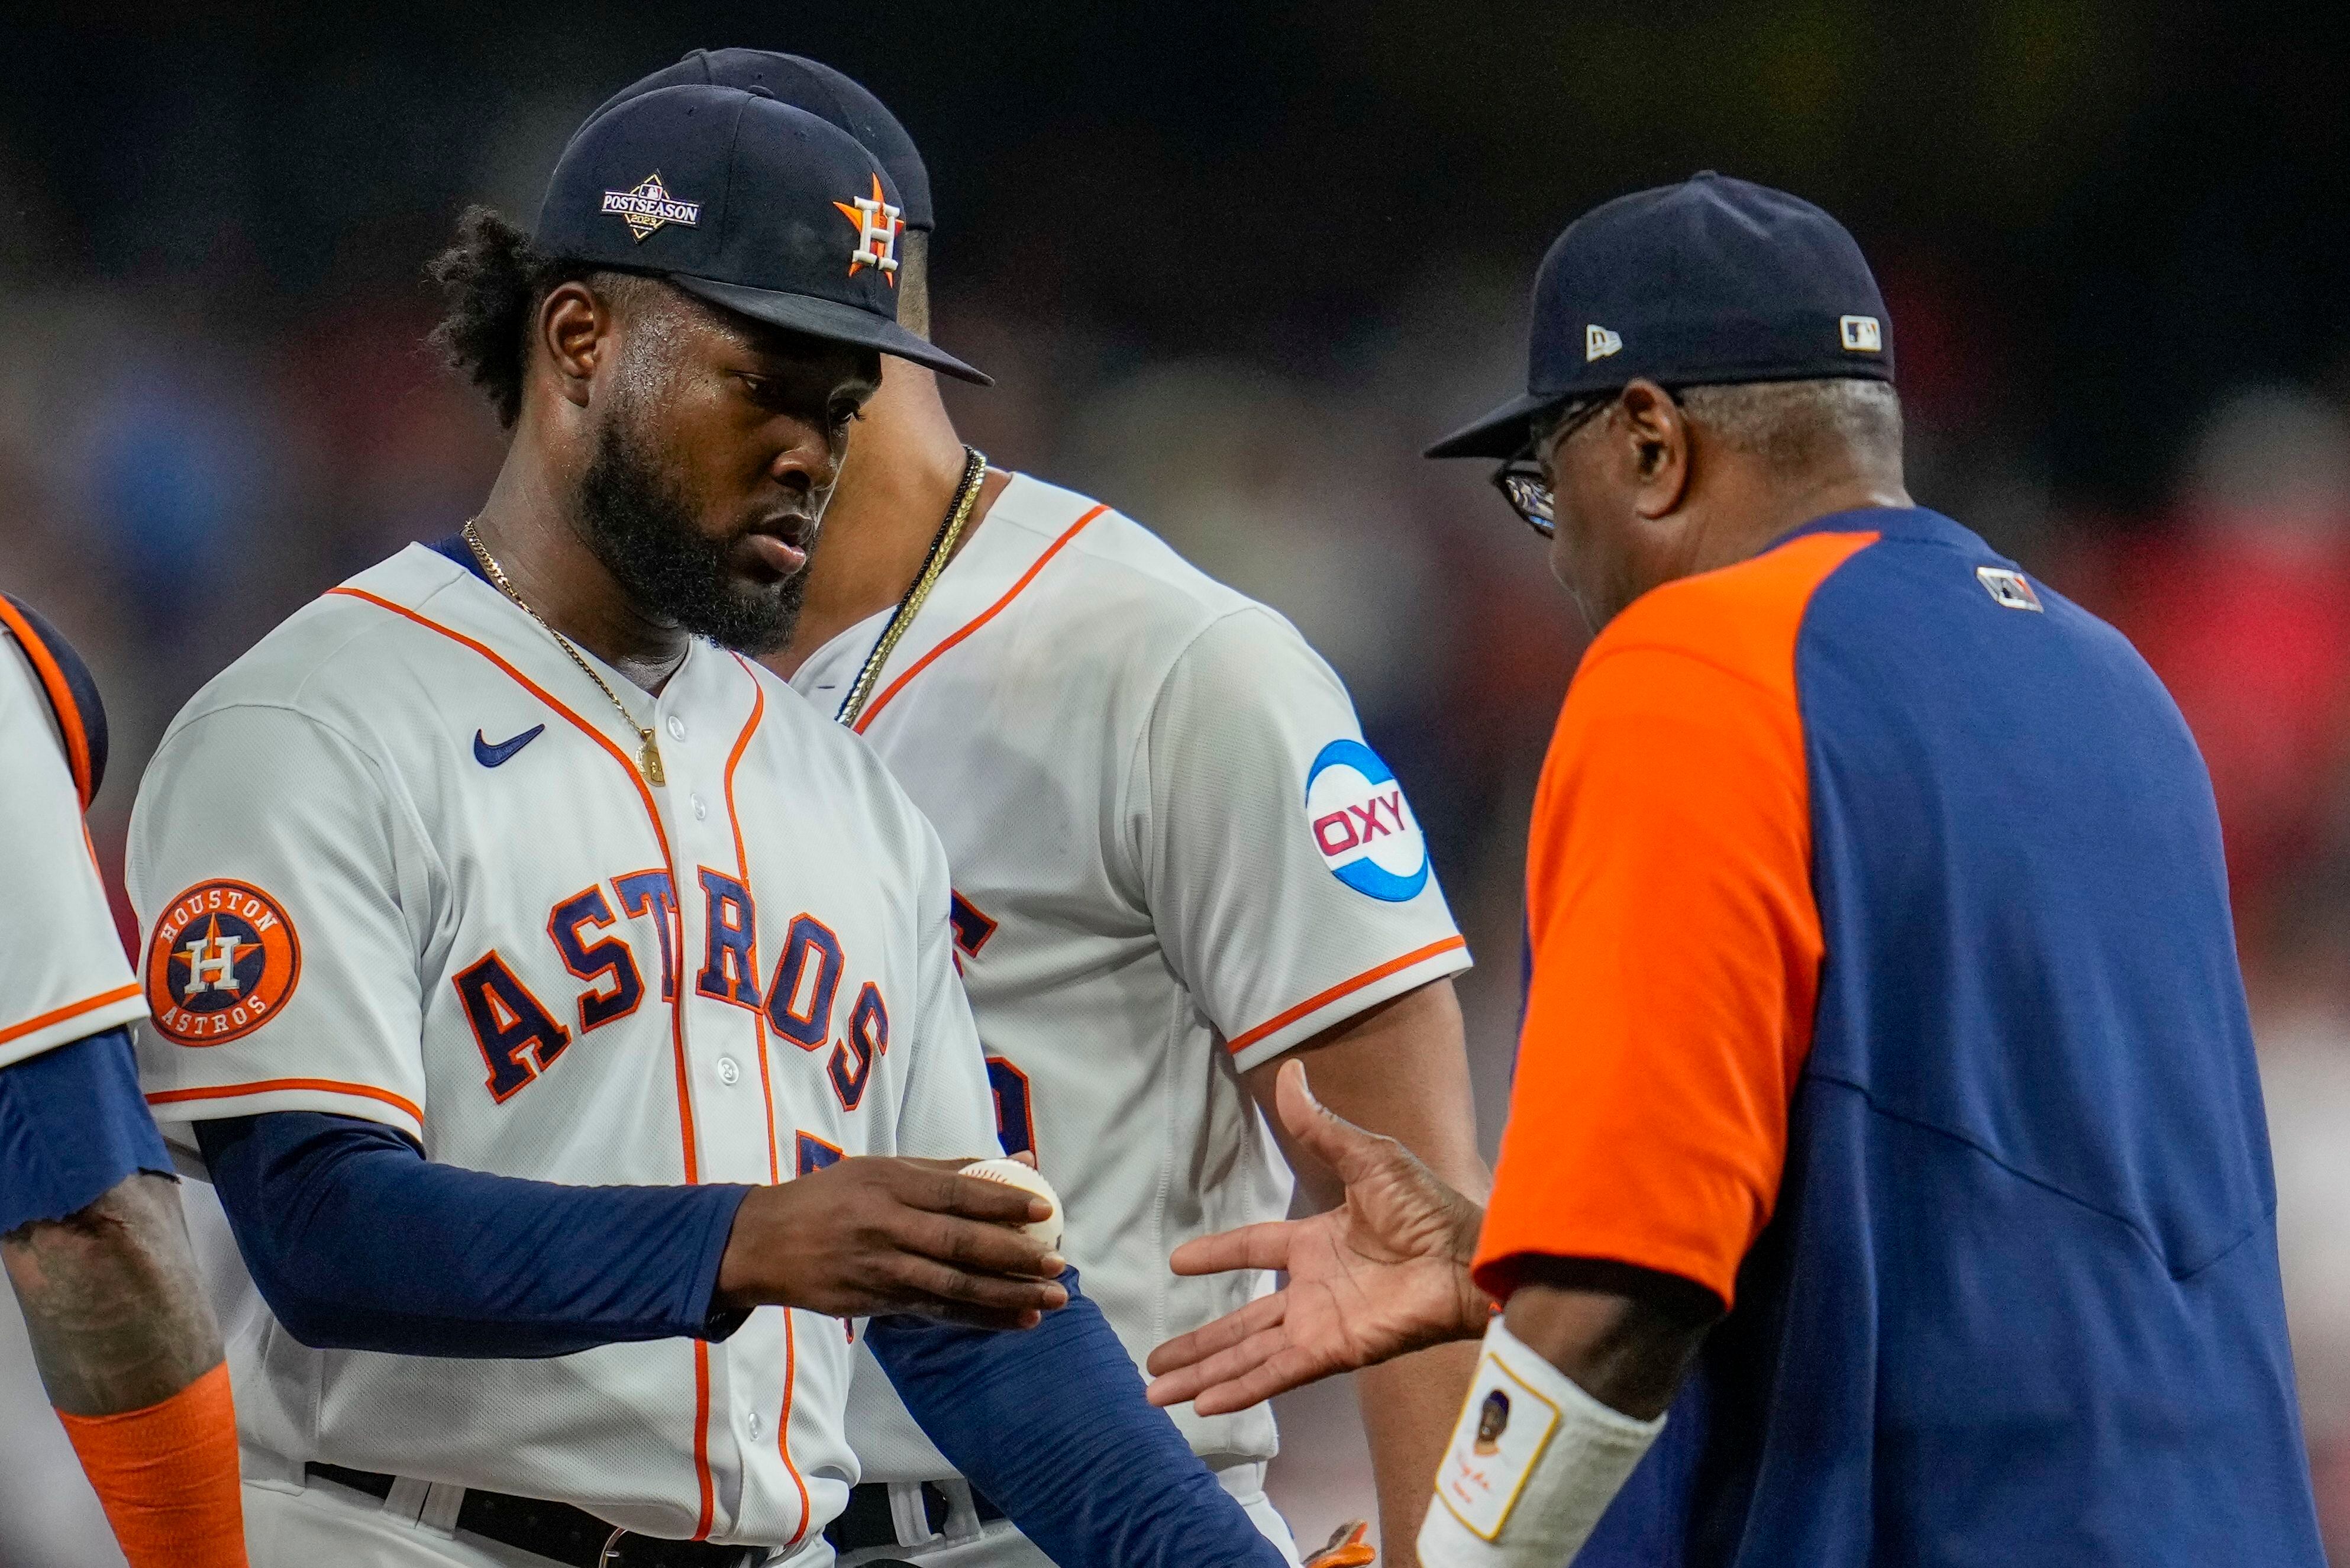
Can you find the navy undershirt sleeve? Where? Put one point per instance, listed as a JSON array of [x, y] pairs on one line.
[[1053, 1426], [73, 1125], [358, 1242]]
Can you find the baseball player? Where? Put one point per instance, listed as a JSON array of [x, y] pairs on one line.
[[1885, 1105], [1175, 864], [565, 1010], [91, 1229]]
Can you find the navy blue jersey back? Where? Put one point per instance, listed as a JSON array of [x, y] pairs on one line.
[[2018, 1300]]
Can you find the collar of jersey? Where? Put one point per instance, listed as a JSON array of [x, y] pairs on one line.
[[424, 580], [989, 562]]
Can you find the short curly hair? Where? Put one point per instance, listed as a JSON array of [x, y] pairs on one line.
[[492, 279]]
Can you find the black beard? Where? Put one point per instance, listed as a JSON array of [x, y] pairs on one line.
[[632, 515]]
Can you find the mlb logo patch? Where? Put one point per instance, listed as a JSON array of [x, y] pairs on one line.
[[1862, 333], [2009, 589]]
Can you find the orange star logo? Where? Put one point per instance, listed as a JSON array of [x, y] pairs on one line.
[[878, 226]]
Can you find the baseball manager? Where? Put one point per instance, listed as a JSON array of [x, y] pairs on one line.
[[1885, 1104]]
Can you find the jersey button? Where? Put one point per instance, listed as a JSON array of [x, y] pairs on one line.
[[700, 809], [729, 1074], [676, 728], [756, 1427]]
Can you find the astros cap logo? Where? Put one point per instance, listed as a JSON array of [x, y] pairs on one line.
[[878, 226], [1364, 831], [223, 960]]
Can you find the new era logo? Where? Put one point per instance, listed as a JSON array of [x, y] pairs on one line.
[[2007, 589], [1598, 343], [1862, 335]]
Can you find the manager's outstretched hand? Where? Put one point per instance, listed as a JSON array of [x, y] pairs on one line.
[[1385, 1272]]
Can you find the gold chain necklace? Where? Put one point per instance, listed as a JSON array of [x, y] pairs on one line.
[[943, 544], [648, 758]]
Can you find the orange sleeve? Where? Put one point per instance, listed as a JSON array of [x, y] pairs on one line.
[[1676, 943], [167, 1475]]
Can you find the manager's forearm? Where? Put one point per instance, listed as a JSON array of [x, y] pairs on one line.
[[112, 1304]]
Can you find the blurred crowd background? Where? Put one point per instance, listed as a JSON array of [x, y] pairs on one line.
[[1232, 265]]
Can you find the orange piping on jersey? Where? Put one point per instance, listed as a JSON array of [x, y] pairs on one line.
[[676, 1010], [784, 1422], [980, 619], [766, 1087], [276, 1085], [61, 698], [1281, 1020], [72, 1010], [742, 874]]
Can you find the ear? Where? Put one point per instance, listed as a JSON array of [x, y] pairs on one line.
[[575, 326], [1660, 436]]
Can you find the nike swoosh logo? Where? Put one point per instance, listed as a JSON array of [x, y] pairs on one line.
[[491, 756]]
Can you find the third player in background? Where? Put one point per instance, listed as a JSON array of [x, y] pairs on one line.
[[1175, 864]]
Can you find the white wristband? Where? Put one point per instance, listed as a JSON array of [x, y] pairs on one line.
[[1534, 1462]]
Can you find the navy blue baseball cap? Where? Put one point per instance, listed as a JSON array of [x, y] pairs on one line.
[[811, 85], [1712, 281], [747, 201]]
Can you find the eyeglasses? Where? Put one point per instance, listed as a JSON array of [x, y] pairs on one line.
[[1521, 480]]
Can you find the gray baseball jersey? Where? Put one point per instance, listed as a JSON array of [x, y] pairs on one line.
[[397, 863], [1174, 857]]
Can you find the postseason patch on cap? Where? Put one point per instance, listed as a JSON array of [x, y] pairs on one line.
[[648, 206], [1366, 833]]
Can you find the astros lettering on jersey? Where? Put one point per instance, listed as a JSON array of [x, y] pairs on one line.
[[1174, 857], [395, 862], [62, 973]]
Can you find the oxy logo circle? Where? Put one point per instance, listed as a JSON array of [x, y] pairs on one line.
[[1366, 834], [222, 962]]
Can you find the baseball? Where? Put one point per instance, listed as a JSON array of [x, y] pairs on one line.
[[1011, 1173]]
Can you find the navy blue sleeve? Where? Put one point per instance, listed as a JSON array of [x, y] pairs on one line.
[[358, 1242], [73, 1125], [1052, 1425]]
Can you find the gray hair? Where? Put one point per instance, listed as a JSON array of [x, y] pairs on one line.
[[1791, 425]]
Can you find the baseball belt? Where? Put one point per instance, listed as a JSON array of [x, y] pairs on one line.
[[868, 1521], [560, 1531]]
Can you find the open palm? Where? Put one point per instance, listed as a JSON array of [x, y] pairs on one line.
[[1385, 1272]]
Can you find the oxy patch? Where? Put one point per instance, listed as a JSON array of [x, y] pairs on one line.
[[1362, 826]]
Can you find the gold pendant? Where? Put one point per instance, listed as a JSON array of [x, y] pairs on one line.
[[650, 761]]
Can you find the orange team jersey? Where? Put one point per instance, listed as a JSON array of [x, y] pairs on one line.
[[1676, 942]]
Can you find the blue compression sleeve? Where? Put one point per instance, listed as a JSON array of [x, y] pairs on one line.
[[1052, 1425], [73, 1127], [357, 1242]]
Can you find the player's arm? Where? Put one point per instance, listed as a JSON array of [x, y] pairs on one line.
[[1400, 1069], [97, 1255], [1291, 884], [358, 1242], [1053, 1426], [90, 1231]]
